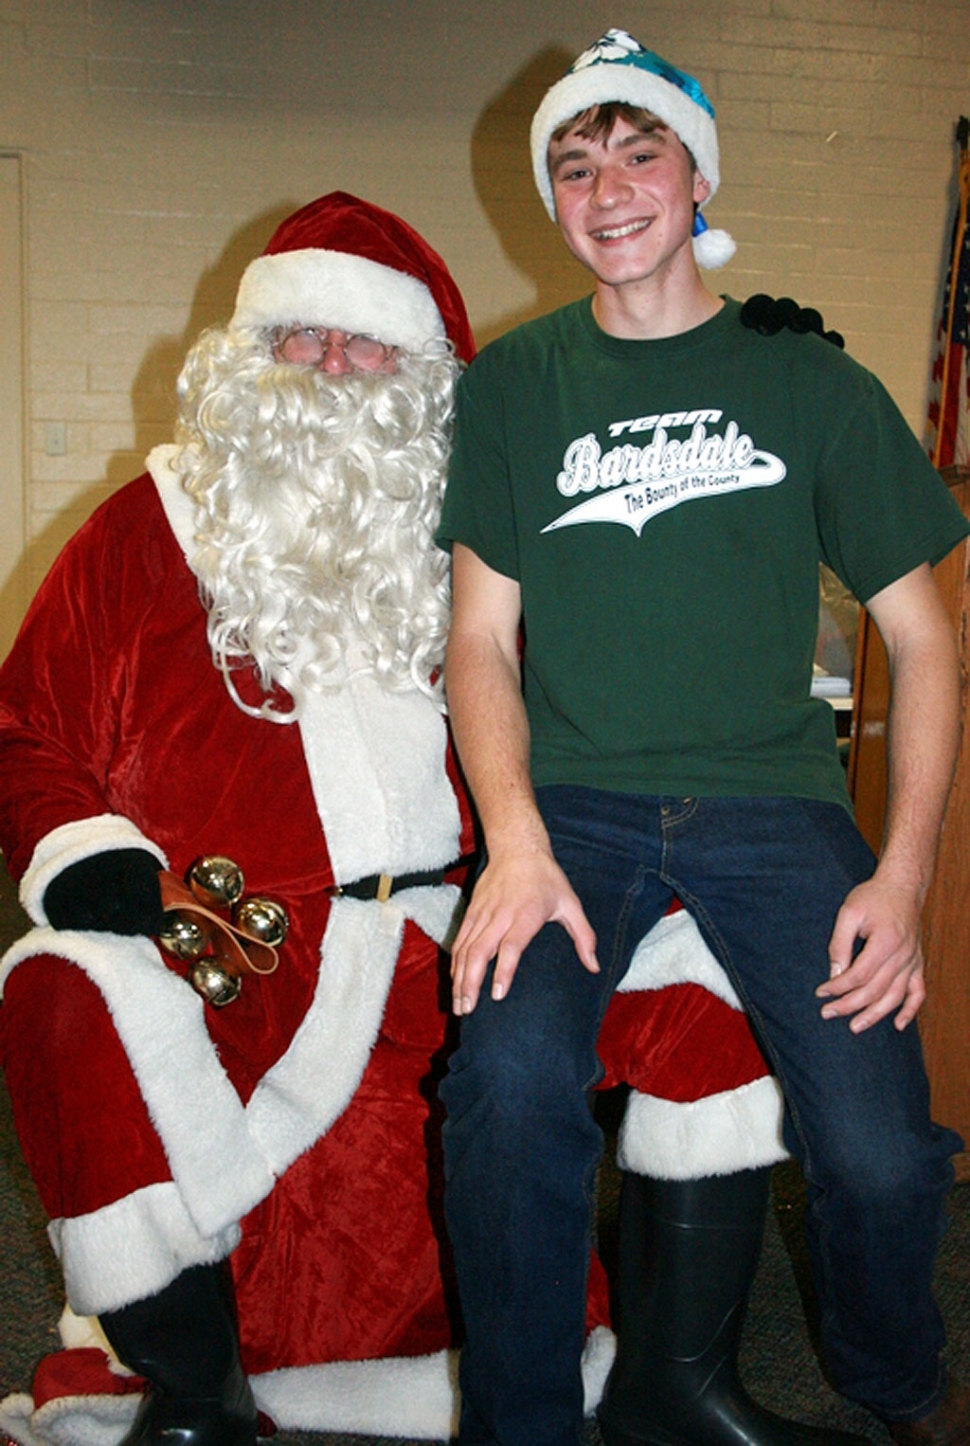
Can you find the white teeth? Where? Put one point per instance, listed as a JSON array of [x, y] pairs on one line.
[[618, 231]]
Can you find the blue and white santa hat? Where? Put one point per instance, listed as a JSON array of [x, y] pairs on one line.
[[619, 69]]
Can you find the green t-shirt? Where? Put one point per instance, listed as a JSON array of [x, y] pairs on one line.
[[664, 506]]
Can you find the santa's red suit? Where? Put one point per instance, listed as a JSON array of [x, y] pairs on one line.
[[295, 1130]]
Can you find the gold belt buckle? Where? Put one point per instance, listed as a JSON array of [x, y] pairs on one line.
[[384, 885]]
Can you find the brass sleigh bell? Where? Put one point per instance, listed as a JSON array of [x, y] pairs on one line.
[[217, 948], [187, 937], [216, 881], [184, 935], [262, 919], [210, 978]]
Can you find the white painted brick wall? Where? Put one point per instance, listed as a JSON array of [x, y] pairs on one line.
[[163, 141]]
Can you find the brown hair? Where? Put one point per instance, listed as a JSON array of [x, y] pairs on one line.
[[596, 123]]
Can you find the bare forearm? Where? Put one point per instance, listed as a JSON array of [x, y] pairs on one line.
[[886, 974], [924, 735], [491, 733], [522, 887]]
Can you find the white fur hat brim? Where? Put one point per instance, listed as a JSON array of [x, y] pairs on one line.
[[334, 288]]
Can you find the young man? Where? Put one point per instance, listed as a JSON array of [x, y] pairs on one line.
[[649, 488]]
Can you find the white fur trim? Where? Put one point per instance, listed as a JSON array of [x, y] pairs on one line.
[[300, 1097], [414, 1396], [16, 1414], [224, 1158], [436, 911], [83, 1332], [334, 288], [406, 1396], [602, 81], [178, 506], [132, 1248], [69, 1420], [674, 952], [80, 839], [377, 766], [738, 1129], [734, 1130], [297, 1101], [598, 1356], [160, 1022]]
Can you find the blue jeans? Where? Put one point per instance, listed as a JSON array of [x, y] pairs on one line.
[[764, 878]]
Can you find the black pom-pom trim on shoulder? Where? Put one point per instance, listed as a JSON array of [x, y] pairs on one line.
[[768, 316]]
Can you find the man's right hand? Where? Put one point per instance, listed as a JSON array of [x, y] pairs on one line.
[[515, 896]]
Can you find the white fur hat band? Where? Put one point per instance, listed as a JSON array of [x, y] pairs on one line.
[[619, 69], [341, 261]]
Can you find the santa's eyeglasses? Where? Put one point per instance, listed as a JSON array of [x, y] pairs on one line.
[[308, 346]]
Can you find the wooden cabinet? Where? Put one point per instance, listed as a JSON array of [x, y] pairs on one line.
[[945, 1017]]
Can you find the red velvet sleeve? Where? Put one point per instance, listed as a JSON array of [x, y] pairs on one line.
[[62, 688]]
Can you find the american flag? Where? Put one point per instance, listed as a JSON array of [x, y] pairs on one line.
[[948, 417]]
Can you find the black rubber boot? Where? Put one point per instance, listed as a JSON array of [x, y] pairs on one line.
[[185, 1343], [688, 1251]]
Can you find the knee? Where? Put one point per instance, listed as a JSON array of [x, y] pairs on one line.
[[82, 1123], [60, 1042], [51, 1009], [517, 1085], [893, 1178]]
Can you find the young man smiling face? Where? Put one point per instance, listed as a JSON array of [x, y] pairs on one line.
[[625, 203]]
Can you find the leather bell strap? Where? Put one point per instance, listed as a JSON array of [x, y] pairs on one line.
[[242, 953]]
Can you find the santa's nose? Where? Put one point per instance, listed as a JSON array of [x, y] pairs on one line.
[[334, 359]]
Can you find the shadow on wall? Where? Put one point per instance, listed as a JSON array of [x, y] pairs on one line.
[[502, 175], [153, 398], [153, 392]]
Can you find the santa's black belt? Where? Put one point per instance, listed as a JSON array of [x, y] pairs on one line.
[[382, 886]]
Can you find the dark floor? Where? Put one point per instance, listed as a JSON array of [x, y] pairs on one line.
[[778, 1362]]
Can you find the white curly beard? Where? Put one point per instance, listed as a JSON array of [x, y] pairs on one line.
[[316, 499]]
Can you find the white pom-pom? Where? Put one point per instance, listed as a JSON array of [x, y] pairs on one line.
[[713, 249]]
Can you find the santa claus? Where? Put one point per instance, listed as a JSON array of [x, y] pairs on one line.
[[237, 659]]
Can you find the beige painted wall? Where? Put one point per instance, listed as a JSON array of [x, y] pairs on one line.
[[13, 580], [162, 140]]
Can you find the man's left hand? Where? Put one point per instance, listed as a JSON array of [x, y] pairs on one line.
[[887, 972]]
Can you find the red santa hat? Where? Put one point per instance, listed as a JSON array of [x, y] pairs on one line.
[[343, 262]]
